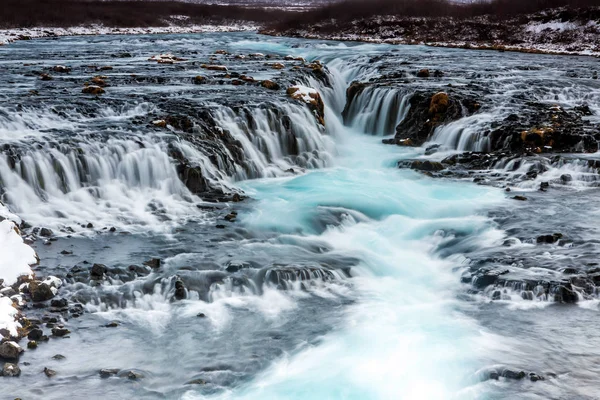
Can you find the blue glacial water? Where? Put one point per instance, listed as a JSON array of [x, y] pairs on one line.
[[338, 280]]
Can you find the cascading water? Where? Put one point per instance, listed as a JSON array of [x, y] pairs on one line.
[[338, 281]]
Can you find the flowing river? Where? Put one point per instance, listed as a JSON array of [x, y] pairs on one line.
[[340, 277]]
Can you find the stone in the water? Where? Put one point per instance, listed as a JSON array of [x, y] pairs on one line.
[[131, 374], [35, 334], [49, 372], [509, 374], [60, 332], [59, 303], [32, 344], [153, 263], [201, 315], [520, 198], [98, 270], [112, 324], [108, 372], [40, 291], [11, 370], [58, 357], [45, 232], [10, 350]]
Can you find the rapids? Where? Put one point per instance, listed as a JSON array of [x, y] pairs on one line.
[[341, 275]]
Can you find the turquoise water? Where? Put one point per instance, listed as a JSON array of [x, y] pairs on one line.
[[406, 336]]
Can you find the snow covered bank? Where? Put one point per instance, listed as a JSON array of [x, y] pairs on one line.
[[11, 35], [548, 32], [16, 259]]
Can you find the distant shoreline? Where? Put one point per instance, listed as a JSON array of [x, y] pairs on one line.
[[8, 36]]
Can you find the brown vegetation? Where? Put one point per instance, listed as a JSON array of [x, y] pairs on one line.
[[67, 13]]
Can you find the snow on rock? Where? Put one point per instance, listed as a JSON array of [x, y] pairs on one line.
[[8, 315], [167, 58], [303, 93]]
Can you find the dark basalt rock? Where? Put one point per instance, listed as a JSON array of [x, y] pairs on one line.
[[428, 111], [60, 332], [10, 351], [40, 291], [97, 271], [107, 373], [153, 263]]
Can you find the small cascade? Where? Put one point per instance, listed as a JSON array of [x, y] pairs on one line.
[[377, 110], [276, 138], [466, 134]]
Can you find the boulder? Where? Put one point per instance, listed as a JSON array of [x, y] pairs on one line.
[[49, 372], [97, 271], [269, 85], [93, 89], [429, 166], [61, 69], [310, 97], [10, 350], [40, 291]]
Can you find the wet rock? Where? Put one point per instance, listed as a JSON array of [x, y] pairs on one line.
[[180, 292], [60, 332], [40, 291], [484, 278], [11, 370], [268, 84], [214, 67], [535, 377], [510, 374], [58, 357], [66, 253], [130, 374], [61, 69], [200, 80], [555, 237], [520, 198], [220, 226], [59, 303], [35, 334], [45, 232], [10, 350], [423, 73], [277, 66], [107, 373], [566, 178], [428, 111], [153, 263], [426, 165], [49, 372], [97, 271], [201, 315], [93, 89], [230, 217], [99, 81], [112, 324], [46, 77]]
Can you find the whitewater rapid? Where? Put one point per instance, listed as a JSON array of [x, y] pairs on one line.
[[341, 276], [405, 335]]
